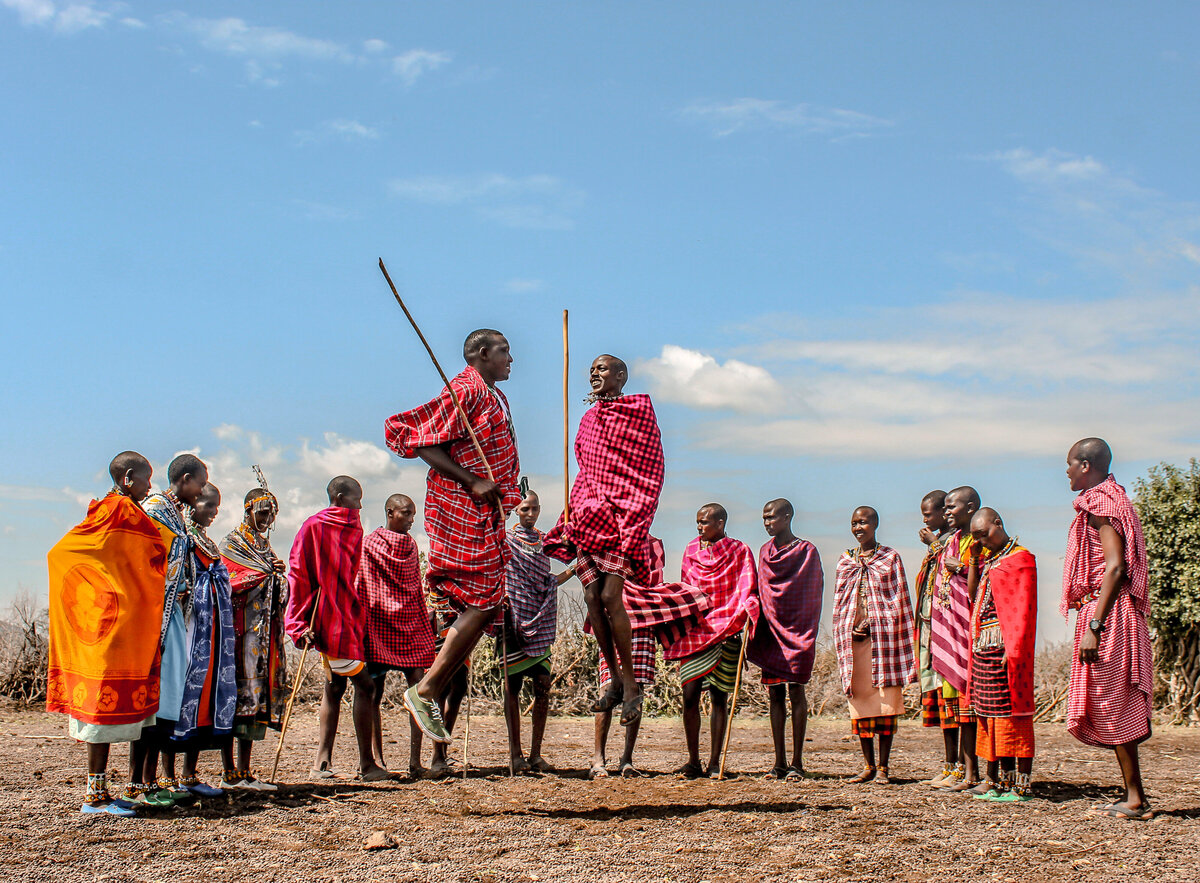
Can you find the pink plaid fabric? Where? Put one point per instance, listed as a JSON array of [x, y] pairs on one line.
[[728, 572], [615, 494], [467, 545], [1109, 700], [643, 644], [667, 610], [389, 585], [326, 554], [790, 586], [889, 611]]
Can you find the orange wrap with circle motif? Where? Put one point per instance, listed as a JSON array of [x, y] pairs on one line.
[[106, 605]]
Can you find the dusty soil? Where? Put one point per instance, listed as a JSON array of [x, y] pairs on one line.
[[562, 826]]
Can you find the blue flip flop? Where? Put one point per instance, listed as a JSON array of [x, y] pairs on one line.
[[111, 808]]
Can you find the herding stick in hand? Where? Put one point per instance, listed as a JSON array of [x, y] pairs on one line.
[[737, 683], [566, 424], [287, 711]]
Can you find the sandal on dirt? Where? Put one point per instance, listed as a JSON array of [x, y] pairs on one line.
[[690, 771], [776, 772], [1116, 811], [597, 772], [610, 700], [881, 777], [379, 774], [520, 766], [794, 774], [631, 710], [866, 775], [629, 771]]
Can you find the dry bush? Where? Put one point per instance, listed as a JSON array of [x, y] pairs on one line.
[[24, 651]]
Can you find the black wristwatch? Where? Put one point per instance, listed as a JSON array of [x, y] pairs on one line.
[[1096, 625]]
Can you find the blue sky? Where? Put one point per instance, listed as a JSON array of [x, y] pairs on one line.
[[854, 252]]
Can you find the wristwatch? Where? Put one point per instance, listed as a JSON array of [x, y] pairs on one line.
[[1096, 625]]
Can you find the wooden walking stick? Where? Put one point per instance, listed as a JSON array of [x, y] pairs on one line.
[[737, 683], [287, 711], [506, 693], [566, 424], [462, 413]]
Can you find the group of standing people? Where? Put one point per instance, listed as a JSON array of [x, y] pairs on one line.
[[214, 672]]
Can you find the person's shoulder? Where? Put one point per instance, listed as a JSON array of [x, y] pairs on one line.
[[889, 553]]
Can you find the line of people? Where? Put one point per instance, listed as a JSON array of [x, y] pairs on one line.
[[214, 671]]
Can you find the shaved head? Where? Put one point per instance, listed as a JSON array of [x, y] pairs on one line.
[[986, 515], [938, 498], [343, 486], [716, 510], [479, 339], [967, 494], [126, 461], [397, 500], [784, 507], [618, 364], [870, 512], [186, 464], [1094, 451]]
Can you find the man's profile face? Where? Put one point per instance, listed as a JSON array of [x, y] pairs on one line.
[[775, 519], [204, 512], [708, 526], [495, 358], [933, 515], [401, 515], [139, 483], [1077, 470]]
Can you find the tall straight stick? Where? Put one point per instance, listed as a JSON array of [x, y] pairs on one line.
[[737, 684], [450, 389], [566, 423], [287, 711]]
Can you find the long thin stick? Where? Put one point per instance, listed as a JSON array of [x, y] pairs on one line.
[[467, 725], [566, 424], [505, 690], [453, 395], [737, 683], [287, 711]]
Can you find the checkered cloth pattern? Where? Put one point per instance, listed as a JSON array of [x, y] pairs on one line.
[[643, 659], [532, 594], [868, 727], [669, 610], [950, 614], [615, 493], [790, 585], [946, 713], [389, 584], [728, 572], [888, 609], [467, 547], [326, 554], [1109, 700]]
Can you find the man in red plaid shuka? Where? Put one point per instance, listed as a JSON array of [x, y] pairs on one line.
[[399, 636], [464, 509], [612, 503]]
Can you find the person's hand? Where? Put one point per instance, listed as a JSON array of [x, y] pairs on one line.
[[926, 535], [278, 564], [1089, 647], [485, 490], [309, 638], [952, 563]]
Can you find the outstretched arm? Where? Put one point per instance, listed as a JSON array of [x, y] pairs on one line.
[[1113, 546], [438, 457]]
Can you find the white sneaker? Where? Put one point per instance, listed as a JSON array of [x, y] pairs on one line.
[[254, 784]]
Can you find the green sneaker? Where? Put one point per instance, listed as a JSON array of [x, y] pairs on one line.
[[992, 793], [426, 715]]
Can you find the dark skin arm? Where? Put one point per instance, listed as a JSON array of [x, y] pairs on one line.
[[1114, 574], [438, 457]]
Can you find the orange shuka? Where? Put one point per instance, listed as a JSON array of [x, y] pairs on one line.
[[106, 604]]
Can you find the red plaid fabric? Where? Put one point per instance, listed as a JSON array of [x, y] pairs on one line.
[[643, 659], [389, 585], [326, 553], [728, 573], [467, 541], [1081, 575], [868, 727], [669, 610], [615, 494], [888, 609]]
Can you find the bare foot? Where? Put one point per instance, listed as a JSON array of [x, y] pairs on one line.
[[690, 770], [540, 765], [598, 771], [520, 766]]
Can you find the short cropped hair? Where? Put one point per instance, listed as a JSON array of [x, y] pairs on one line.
[[185, 464], [342, 485], [717, 510], [125, 461], [477, 339]]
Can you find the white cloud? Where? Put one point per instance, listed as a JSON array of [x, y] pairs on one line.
[[727, 117], [541, 202], [692, 378], [236, 37], [65, 18], [415, 63], [374, 46], [340, 130], [319, 211]]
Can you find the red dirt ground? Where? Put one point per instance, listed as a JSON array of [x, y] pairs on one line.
[[563, 827]]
